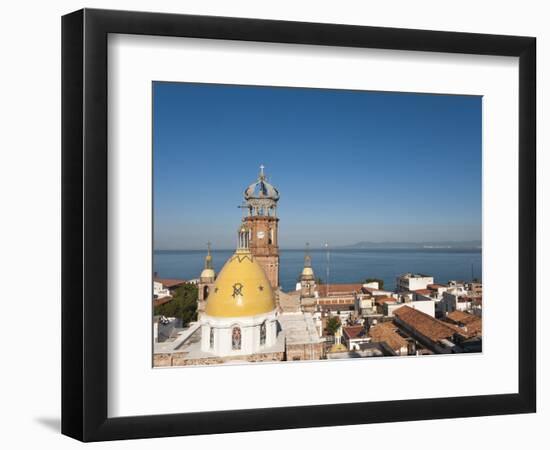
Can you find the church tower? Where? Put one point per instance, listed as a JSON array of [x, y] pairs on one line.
[[307, 284], [206, 282], [261, 219], [307, 278]]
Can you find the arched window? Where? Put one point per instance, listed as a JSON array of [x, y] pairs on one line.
[[211, 337], [262, 333], [205, 291], [236, 338]]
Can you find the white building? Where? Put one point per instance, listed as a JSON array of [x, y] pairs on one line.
[[354, 336], [455, 298], [159, 291], [413, 282], [365, 304]]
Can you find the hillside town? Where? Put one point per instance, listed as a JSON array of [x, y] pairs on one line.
[[242, 315]]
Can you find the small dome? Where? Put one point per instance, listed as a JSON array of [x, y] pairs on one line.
[[208, 273], [307, 272], [241, 289], [261, 189]]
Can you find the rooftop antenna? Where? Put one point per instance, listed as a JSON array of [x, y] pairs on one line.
[[307, 258], [328, 266]]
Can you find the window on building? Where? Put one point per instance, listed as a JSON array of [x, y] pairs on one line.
[[262, 333], [236, 338], [211, 337]]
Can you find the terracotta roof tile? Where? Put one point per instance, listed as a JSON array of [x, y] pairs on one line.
[[425, 324], [387, 332], [170, 282], [354, 332], [459, 316], [423, 291], [338, 289], [162, 301], [381, 300], [471, 323]]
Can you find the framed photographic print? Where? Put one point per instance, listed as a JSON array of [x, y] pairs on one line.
[[261, 215]]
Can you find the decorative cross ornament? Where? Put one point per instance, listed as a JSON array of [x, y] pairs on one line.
[[237, 289]]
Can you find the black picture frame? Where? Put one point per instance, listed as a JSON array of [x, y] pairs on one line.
[[84, 224]]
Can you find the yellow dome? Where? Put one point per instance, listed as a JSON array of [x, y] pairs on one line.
[[308, 271], [241, 289]]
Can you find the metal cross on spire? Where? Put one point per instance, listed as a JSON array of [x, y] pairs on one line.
[[208, 259]]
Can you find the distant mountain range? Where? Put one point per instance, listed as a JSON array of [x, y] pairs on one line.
[[466, 245], [415, 245]]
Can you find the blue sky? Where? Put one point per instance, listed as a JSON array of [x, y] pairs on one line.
[[350, 165]]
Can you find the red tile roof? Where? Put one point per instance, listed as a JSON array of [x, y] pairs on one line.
[[338, 289], [387, 332], [353, 332], [459, 316], [170, 282], [425, 324], [162, 301], [423, 291], [381, 300], [471, 323]]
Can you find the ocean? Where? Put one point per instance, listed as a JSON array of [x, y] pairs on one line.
[[345, 265]]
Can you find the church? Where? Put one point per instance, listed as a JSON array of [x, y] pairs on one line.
[[243, 315], [240, 314]]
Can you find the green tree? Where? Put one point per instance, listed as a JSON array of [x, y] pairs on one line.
[[333, 323], [379, 280], [183, 305]]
